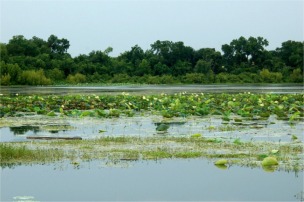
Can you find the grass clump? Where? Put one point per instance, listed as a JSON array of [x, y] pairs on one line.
[[156, 154], [153, 148], [188, 154], [21, 154]]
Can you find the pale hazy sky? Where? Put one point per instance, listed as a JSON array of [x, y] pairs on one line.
[[95, 25]]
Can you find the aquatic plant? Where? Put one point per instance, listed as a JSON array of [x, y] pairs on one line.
[[10, 153], [270, 161], [221, 162], [198, 135], [162, 127], [145, 148], [237, 141], [180, 104]]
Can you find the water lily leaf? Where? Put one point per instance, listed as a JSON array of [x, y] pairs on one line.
[[270, 161], [221, 162], [196, 135], [162, 127], [85, 113], [51, 113], [37, 109], [274, 151]]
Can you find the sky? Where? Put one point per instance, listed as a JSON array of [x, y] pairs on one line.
[[121, 24]]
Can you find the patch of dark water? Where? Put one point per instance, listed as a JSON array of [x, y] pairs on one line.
[[166, 180]]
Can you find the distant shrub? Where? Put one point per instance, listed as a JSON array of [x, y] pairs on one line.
[[164, 79], [247, 77], [121, 78], [55, 74], [33, 77], [271, 77], [5, 80], [296, 76], [13, 70], [77, 78], [196, 78], [168, 79]]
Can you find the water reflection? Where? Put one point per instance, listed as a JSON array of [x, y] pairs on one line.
[[154, 89], [210, 127], [166, 180], [20, 130]]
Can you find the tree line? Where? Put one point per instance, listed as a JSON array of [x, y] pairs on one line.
[[244, 60]]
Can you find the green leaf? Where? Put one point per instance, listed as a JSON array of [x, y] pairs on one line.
[[221, 162], [51, 113], [270, 161]]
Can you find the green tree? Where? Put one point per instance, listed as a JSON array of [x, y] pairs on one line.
[[3, 53], [181, 68], [169, 52], [134, 56], [249, 51], [292, 53], [211, 56], [56, 74], [143, 68], [161, 69], [202, 66], [20, 46], [58, 46]]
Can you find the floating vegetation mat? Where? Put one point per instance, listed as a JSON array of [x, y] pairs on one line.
[[284, 106], [236, 114], [288, 155]]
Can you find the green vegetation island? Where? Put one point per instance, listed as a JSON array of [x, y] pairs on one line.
[[243, 112], [38, 62]]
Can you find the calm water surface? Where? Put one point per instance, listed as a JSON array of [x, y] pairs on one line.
[[168, 180], [156, 89], [144, 126]]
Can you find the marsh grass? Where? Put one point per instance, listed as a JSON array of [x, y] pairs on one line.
[[11, 153], [152, 148]]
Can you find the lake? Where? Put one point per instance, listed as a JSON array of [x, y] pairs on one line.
[[165, 180], [146, 180], [19, 128], [155, 89]]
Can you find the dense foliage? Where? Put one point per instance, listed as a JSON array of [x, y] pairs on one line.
[[289, 106], [38, 62]]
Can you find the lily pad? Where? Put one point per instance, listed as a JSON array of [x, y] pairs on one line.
[[162, 127], [51, 113], [270, 161], [274, 151], [198, 135], [221, 162]]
